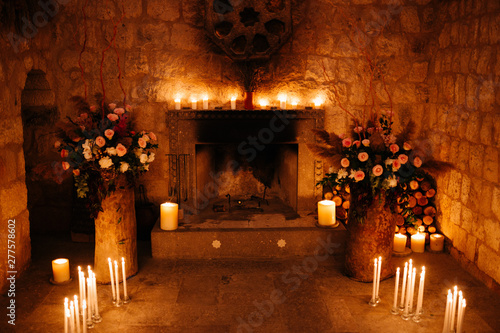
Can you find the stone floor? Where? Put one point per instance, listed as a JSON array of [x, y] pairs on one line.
[[234, 296]]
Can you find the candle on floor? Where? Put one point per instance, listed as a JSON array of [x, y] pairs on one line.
[[420, 296], [399, 242], [418, 243], [449, 300], [84, 293], [403, 287], [177, 103], [326, 213], [461, 316], [413, 276], [60, 270], [437, 242], [169, 216], [125, 296], [117, 277], [453, 308], [97, 317], [80, 282], [396, 287], [77, 314], [233, 103], [84, 316], [205, 102], [66, 315], [294, 105], [89, 298], [194, 104], [112, 278], [71, 317], [374, 291], [378, 278]]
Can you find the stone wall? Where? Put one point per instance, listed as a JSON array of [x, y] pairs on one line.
[[463, 121]]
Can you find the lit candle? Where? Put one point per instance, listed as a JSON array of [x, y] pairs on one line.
[[408, 293], [418, 243], [378, 275], [399, 242], [96, 303], [413, 276], [84, 293], [294, 105], [194, 104], [77, 314], [117, 283], [374, 291], [177, 103], [453, 308], [317, 103], [437, 242], [446, 325], [420, 297], [233, 103], [84, 316], [396, 287], [71, 317], [282, 99], [60, 270], [112, 278], [66, 315], [169, 216], [263, 103], [205, 102], [80, 282], [124, 280], [326, 213], [89, 297], [403, 287], [461, 317]]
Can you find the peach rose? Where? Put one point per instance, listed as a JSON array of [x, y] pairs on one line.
[[347, 142], [403, 158], [65, 165], [342, 136], [112, 105], [64, 153], [112, 117], [100, 141], [377, 170], [120, 150], [93, 108], [57, 144], [76, 172], [109, 133], [358, 129], [396, 165], [344, 162], [357, 143], [119, 111], [417, 162], [153, 136], [406, 146], [363, 157], [365, 142], [394, 148], [142, 143], [359, 175]]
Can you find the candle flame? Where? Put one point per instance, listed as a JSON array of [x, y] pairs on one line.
[[263, 103], [205, 97], [233, 98], [282, 97], [177, 100], [318, 101]]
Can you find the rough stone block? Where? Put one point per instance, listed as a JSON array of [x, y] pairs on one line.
[[475, 193], [136, 62], [495, 29], [472, 97], [470, 248], [164, 10], [495, 202], [358, 93], [405, 93], [492, 233], [473, 126], [488, 261], [484, 206], [483, 64], [487, 96], [460, 239], [455, 212], [13, 199], [484, 30], [391, 46], [490, 170], [185, 37], [445, 208], [410, 21], [454, 33], [418, 71], [193, 12], [12, 131], [468, 217], [133, 8], [464, 193], [445, 36], [455, 184]]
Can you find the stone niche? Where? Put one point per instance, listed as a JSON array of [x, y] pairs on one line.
[[237, 163]]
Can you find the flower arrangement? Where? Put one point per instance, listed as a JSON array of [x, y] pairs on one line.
[[99, 146], [374, 163]]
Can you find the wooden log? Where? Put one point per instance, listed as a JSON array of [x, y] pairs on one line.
[[418, 222], [411, 230], [346, 204], [430, 211], [417, 210], [399, 210], [430, 193], [418, 195], [423, 201], [396, 229], [421, 228], [428, 220], [412, 202], [337, 200], [413, 184], [400, 220], [425, 186], [431, 230], [328, 196], [402, 230], [340, 213]]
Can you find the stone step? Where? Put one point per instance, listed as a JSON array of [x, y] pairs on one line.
[[263, 237]]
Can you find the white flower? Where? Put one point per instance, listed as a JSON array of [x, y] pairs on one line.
[[143, 158], [111, 151], [146, 167], [392, 181], [105, 162], [87, 154], [216, 244], [342, 174], [86, 145], [281, 243], [138, 152], [389, 162], [353, 174], [124, 167], [151, 157]]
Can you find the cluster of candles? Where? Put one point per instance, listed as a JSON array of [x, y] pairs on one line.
[[408, 292], [86, 305], [115, 283], [418, 242], [455, 308], [377, 267], [262, 102]]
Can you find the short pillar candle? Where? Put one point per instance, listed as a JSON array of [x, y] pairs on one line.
[[169, 216], [399, 242], [418, 243], [326, 213], [437, 242], [60, 270]]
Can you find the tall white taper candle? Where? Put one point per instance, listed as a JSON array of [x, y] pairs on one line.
[[378, 275], [77, 314], [453, 308], [117, 277], [112, 278], [446, 325], [396, 287], [374, 291], [413, 278], [84, 314], [124, 280], [71, 317], [403, 287]]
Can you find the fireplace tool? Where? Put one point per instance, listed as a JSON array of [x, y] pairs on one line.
[[178, 186]]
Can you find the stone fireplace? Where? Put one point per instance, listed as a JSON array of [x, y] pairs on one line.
[[236, 163]]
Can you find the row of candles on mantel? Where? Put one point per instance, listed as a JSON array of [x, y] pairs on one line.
[[263, 103], [455, 303]]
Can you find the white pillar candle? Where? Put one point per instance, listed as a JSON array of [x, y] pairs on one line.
[[283, 103], [112, 278], [413, 277], [378, 275], [124, 280], [60, 270], [233, 103], [177, 103], [205, 102], [399, 242], [77, 314], [263, 103], [169, 216], [326, 213], [396, 287], [418, 243], [71, 317], [461, 318], [317, 103], [437, 242], [117, 278], [403, 287], [84, 316], [420, 296], [453, 308], [194, 104]]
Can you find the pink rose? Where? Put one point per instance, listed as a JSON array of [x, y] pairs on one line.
[[359, 175], [394, 148], [347, 142], [57, 144], [153, 136], [119, 111], [109, 133], [112, 117], [128, 108], [417, 162], [93, 108], [406, 146], [142, 143], [357, 143], [403, 158], [342, 136], [396, 165], [76, 172], [120, 150], [100, 141], [64, 153], [112, 105], [377, 170], [370, 130], [344, 162], [363, 157], [358, 129], [365, 142], [65, 165]]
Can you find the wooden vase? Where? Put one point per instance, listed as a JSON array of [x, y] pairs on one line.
[[116, 233], [249, 100], [368, 239]]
